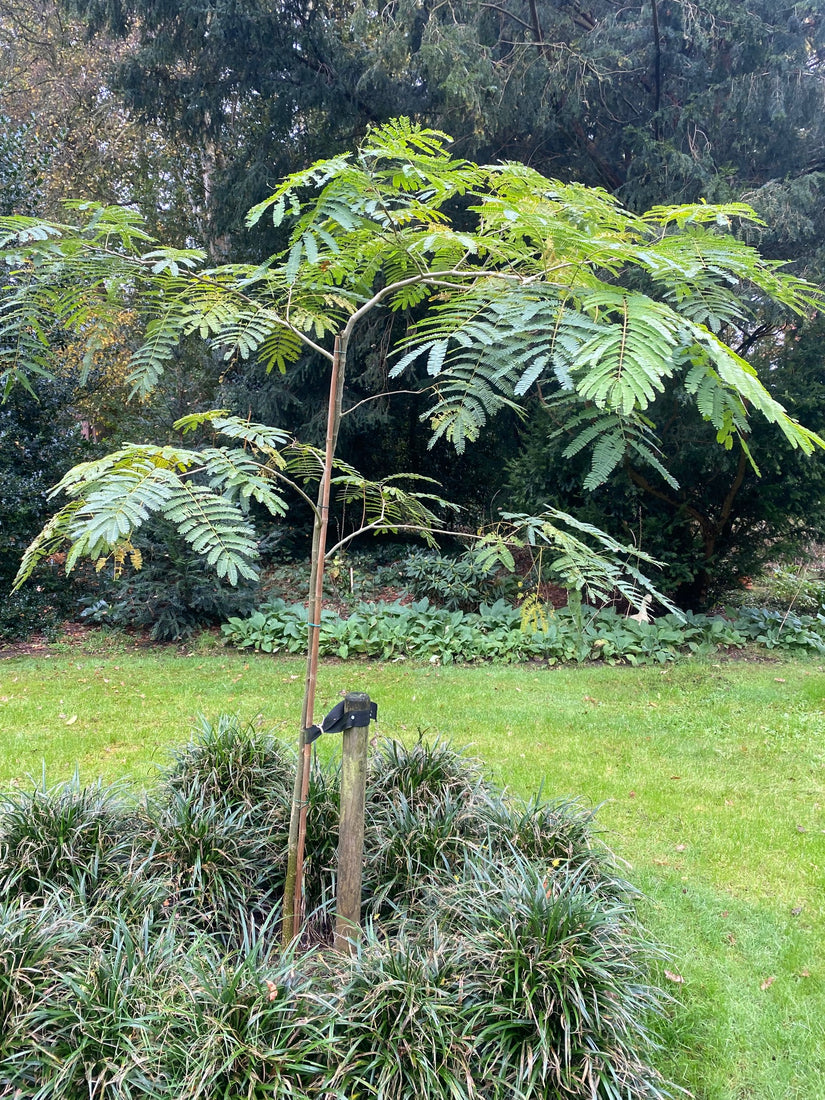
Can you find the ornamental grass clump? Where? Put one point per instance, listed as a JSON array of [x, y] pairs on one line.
[[556, 969], [36, 940], [403, 1026], [220, 862], [551, 833], [424, 772], [243, 1024], [92, 1034], [219, 819], [234, 763], [65, 837], [141, 957]]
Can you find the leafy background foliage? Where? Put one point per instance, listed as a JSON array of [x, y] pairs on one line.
[[39, 438]]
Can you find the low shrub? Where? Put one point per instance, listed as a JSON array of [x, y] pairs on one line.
[[501, 955], [801, 591], [781, 630], [173, 594], [461, 582]]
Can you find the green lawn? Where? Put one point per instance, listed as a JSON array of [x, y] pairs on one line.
[[709, 777]]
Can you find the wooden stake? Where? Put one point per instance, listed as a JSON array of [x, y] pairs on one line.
[[351, 834]]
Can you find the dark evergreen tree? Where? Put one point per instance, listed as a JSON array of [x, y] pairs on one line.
[[657, 99]]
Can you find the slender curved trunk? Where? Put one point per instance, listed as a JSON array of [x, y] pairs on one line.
[[292, 903]]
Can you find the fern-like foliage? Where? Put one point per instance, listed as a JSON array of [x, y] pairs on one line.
[[534, 614], [259, 437], [585, 558], [374, 507], [387, 507], [538, 287], [610, 438], [205, 494]]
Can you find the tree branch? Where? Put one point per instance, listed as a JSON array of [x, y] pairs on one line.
[[376, 396], [730, 496], [648, 487]]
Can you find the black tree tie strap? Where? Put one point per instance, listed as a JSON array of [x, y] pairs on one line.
[[340, 719]]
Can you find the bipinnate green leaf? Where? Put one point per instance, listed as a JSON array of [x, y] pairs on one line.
[[387, 506], [262, 437], [204, 494], [587, 559]]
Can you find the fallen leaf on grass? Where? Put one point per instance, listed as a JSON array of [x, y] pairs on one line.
[[71, 721], [681, 847], [768, 982]]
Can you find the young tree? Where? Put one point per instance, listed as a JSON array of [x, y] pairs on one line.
[[517, 282]]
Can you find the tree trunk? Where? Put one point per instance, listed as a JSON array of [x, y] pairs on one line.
[[291, 921]]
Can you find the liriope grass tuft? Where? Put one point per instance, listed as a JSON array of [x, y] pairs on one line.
[[65, 836], [234, 763], [248, 1023], [559, 974], [140, 954], [403, 1023], [425, 771]]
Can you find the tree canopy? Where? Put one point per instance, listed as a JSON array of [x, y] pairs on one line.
[[527, 283]]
